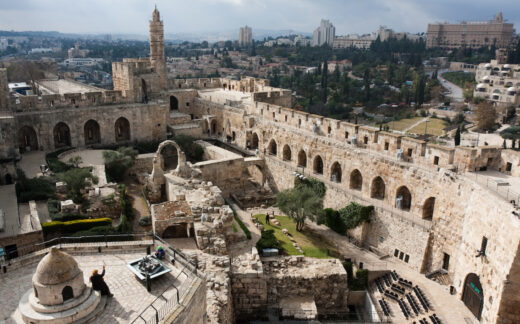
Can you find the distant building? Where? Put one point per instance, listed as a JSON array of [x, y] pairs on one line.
[[324, 34], [245, 36], [499, 83], [76, 52], [470, 34], [385, 34], [79, 61], [341, 65], [302, 41], [354, 40], [3, 44]]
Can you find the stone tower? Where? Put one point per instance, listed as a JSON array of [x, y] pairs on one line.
[[4, 90], [157, 58]]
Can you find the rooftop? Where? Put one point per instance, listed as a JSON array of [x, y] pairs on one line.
[[62, 86]]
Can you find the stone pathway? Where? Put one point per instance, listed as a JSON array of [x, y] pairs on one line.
[[92, 158], [30, 163]]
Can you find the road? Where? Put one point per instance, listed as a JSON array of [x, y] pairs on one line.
[[455, 91]]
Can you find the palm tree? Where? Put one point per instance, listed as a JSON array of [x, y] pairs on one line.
[[300, 203]]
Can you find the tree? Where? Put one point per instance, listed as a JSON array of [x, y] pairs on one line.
[[511, 133], [117, 162], [75, 161], [300, 203], [485, 116], [75, 180], [324, 84], [457, 137]]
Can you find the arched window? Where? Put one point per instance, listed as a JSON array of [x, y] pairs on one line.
[[61, 135], [302, 159], [174, 103], [254, 142], [122, 129], [335, 172], [67, 293], [318, 165], [286, 153], [273, 147], [403, 198], [27, 139], [91, 132], [356, 180], [428, 208], [377, 189]]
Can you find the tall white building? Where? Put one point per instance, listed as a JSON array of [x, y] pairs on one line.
[[324, 34], [245, 36]]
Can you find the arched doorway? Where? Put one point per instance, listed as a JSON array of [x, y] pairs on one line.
[[213, 127], [302, 159], [254, 142], [356, 180], [61, 135], [174, 103], [27, 139], [377, 189], [428, 207], [473, 295], [335, 172], [122, 128], [176, 231], [91, 132], [273, 147], [170, 157], [286, 153], [318, 165], [403, 198], [67, 293]]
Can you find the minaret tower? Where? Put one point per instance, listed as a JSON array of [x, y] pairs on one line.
[[157, 58]]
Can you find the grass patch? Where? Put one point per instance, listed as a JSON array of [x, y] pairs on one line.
[[402, 124], [435, 127], [235, 229], [311, 244], [242, 225]]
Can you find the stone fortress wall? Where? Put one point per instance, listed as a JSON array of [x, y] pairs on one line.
[[448, 213]]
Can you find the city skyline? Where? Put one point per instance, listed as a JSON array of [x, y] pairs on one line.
[[200, 16]]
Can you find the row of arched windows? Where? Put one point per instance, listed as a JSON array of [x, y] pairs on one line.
[[403, 196], [28, 139]]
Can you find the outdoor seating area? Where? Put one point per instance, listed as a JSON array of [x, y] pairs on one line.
[[411, 300]]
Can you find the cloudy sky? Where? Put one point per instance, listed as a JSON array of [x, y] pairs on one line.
[[196, 16]]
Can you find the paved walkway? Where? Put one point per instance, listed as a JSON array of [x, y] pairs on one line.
[[456, 94], [92, 158], [130, 295], [30, 163]]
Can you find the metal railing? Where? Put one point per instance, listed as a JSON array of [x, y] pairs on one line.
[[502, 190]]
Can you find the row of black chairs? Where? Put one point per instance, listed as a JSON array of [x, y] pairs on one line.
[[435, 319], [398, 289], [394, 275], [405, 282], [385, 307], [392, 295], [387, 278], [413, 304], [379, 285], [404, 308], [422, 299]]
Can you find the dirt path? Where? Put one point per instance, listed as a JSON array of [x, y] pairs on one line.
[[140, 209]]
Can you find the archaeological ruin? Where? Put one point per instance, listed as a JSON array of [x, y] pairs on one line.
[[432, 216]]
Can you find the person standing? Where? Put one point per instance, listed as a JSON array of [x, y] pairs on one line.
[[267, 218]]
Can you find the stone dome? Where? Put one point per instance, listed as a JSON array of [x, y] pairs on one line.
[[481, 85], [487, 66], [485, 77], [55, 268], [512, 89]]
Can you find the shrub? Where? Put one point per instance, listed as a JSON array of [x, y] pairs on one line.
[[55, 165], [41, 188], [235, 229], [118, 162], [242, 225], [194, 152], [98, 230], [355, 214], [333, 220], [76, 181], [145, 221], [267, 241], [360, 281], [74, 225], [316, 185]]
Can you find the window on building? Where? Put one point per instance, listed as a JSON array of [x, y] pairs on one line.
[[409, 152], [387, 145], [401, 255], [406, 258], [436, 160], [396, 253], [346, 135], [446, 261]]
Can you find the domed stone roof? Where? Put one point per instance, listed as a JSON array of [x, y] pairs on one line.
[[512, 89], [55, 268]]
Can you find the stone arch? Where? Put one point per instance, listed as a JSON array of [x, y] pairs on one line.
[[213, 127], [92, 132], [403, 198], [174, 103], [335, 172], [61, 135], [273, 147], [356, 180], [67, 293], [286, 153], [473, 295], [27, 139], [428, 208], [122, 129], [254, 142], [169, 156], [317, 165], [302, 159], [176, 231], [377, 189]]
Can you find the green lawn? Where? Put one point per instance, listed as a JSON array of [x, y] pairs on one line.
[[311, 244], [435, 127], [402, 124]]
